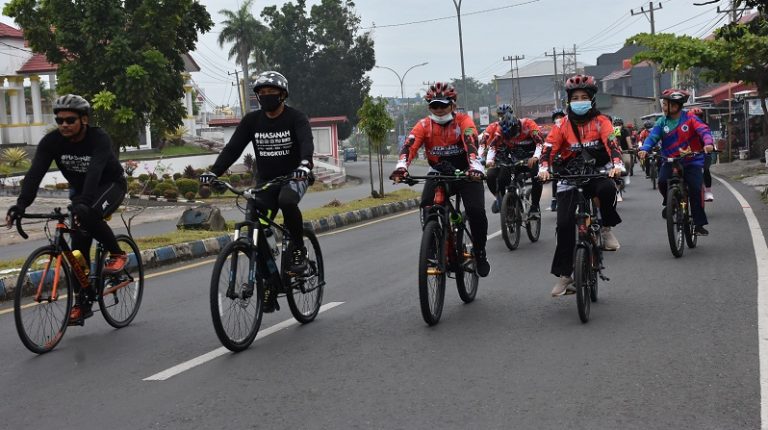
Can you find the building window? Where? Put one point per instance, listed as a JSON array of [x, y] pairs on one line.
[[322, 138]]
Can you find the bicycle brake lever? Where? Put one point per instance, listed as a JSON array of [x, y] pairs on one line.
[[20, 229]]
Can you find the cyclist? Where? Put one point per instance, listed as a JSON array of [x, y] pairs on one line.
[[450, 142], [557, 119], [679, 132], [644, 133], [521, 135], [625, 143], [283, 145], [708, 196], [489, 131], [587, 130], [86, 158]]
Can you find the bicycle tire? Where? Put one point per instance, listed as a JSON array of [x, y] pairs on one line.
[[594, 278], [52, 315], [691, 238], [654, 174], [120, 307], [581, 279], [249, 295], [306, 295], [510, 220], [533, 226], [432, 267], [467, 278], [675, 223]]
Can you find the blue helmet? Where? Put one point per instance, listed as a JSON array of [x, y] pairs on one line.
[[503, 109], [510, 125]]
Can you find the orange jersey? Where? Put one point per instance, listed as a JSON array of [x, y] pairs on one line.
[[642, 136], [596, 136], [454, 142], [485, 136], [528, 140]]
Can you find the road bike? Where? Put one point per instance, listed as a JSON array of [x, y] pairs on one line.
[[246, 275], [680, 228], [54, 277], [516, 203], [444, 250]]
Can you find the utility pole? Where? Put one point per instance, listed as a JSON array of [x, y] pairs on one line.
[[517, 99], [457, 4], [649, 16], [735, 12], [554, 79], [239, 94]]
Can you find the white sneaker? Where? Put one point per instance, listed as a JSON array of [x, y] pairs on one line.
[[627, 180], [610, 243], [619, 198], [708, 196], [563, 286]]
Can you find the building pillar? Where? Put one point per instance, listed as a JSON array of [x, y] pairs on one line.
[[3, 110], [37, 108], [15, 128], [189, 119], [22, 103]]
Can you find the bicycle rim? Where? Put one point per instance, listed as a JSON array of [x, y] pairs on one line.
[[675, 223], [432, 273], [581, 277], [467, 278], [533, 228], [236, 303], [510, 226], [125, 289], [690, 237], [306, 293], [41, 318]]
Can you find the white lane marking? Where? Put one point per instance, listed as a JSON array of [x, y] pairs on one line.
[[216, 353], [497, 234], [761, 258]]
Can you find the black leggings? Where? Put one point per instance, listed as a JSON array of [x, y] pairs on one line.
[[707, 175], [473, 196], [285, 198], [500, 177], [91, 219]]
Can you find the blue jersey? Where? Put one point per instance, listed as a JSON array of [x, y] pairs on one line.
[[689, 134]]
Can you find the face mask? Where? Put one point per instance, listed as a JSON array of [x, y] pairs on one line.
[[271, 102], [581, 107], [444, 119], [558, 122]]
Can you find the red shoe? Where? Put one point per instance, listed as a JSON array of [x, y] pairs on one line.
[[115, 263], [79, 313]]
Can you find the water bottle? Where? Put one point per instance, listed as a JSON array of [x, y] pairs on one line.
[[81, 261]]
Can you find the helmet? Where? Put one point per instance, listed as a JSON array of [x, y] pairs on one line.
[[631, 126], [556, 113], [648, 125], [510, 125], [618, 121], [271, 79], [581, 82], [675, 95], [503, 109], [441, 91], [71, 102], [696, 111]]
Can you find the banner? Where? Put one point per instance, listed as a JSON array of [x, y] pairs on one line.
[[485, 118]]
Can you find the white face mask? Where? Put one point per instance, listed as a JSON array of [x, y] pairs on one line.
[[558, 122], [444, 119]]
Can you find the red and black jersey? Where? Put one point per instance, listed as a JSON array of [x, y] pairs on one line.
[[454, 142], [596, 136]]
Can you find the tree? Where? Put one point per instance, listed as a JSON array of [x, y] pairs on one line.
[[244, 31], [322, 55], [124, 56], [375, 122], [478, 93]]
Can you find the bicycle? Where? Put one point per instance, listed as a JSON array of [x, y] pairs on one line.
[[680, 229], [653, 169], [444, 250], [588, 255], [246, 275], [53, 276], [516, 203]]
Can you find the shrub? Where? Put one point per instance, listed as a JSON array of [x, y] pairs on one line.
[[204, 192], [187, 186], [247, 178], [248, 160], [176, 136], [144, 177], [130, 179], [14, 157], [235, 179], [189, 195], [151, 184], [171, 194], [199, 172], [162, 187], [176, 176], [134, 188], [190, 172], [129, 167], [166, 176]]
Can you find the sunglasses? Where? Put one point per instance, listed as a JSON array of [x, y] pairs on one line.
[[438, 105], [69, 120]]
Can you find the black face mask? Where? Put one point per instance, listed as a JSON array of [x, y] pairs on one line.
[[270, 102]]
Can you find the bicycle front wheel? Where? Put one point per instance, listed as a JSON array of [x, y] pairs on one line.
[[306, 292], [691, 238], [581, 279], [432, 272], [467, 278], [121, 294], [654, 173], [511, 220], [236, 299], [675, 222], [42, 300], [533, 226]]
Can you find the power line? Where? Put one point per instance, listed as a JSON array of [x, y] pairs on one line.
[[689, 19], [373, 27], [708, 30]]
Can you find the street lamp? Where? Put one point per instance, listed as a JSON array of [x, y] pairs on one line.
[[402, 87]]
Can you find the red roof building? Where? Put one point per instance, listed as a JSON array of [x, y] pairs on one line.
[[10, 32], [37, 64]]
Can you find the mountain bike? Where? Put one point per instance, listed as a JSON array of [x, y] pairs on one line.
[[588, 255], [653, 169], [246, 275], [53, 277], [444, 250], [517, 202]]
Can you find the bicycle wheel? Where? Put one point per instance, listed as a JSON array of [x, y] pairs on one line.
[[691, 238], [41, 317], [581, 279], [121, 295], [675, 222], [236, 300], [533, 226], [594, 278], [432, 272], [511, 220], [306, 292], [467, 278], [654, 174]]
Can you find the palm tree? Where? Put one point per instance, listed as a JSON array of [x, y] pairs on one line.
[[243, 30]]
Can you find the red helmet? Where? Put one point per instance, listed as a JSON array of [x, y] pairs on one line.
[[675, 95], [441, 91], [581, 82], [696, 111]]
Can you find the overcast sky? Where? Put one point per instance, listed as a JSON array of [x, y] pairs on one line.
[[492, 29]]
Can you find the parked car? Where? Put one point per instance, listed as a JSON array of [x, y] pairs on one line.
[[350, 154]]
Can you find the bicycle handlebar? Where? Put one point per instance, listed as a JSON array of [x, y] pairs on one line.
[[250, 192], [413, 180], [56, 214]]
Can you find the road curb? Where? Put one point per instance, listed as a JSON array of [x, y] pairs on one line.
[[170, 254]]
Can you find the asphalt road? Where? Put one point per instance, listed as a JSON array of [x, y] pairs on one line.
[[672, 344]]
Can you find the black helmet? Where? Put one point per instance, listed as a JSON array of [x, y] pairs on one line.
[[618, 121], [271, 79], [502, 109], [510, 125], [71, 102], [556, 113], [648, 125]]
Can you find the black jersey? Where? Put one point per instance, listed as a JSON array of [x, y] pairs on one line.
[[86, 165]]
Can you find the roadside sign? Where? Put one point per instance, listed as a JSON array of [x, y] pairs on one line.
[[485, 118]]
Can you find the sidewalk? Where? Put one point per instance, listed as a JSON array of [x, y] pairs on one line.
[[750, 172]]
